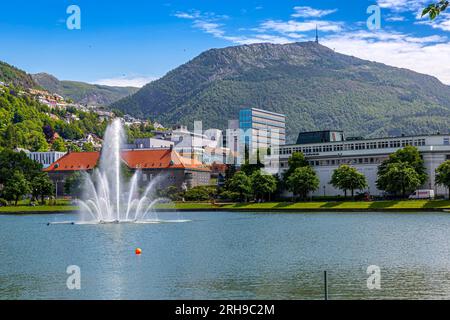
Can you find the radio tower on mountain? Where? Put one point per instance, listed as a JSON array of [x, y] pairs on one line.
[[317, 35]]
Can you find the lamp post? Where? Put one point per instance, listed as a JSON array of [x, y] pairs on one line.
[[324, 192]]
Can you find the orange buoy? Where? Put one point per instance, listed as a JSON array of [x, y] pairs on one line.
[[138, 251]]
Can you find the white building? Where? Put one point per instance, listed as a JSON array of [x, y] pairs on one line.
[[45, 158], [365, 155], [149, 143]]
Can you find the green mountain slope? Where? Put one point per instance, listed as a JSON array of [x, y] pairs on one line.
[[12, 75], [314, 86], [81, 92]]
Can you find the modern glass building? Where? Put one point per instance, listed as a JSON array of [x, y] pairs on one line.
[[262, 129]]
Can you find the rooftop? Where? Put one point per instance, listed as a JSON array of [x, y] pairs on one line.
[[135, 159]]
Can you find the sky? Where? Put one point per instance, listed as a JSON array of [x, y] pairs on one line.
[[136, 41]]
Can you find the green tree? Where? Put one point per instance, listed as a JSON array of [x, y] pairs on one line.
[[16, 187], [443, 175], [88, 147], [250, 168], [59, 145], [263, 184], [435, 9], [408, 155], [297, 160], [42, 186], [74, 185], [11, 162], [303, 181], [241, 184], [398, 177], [348, 178], [201, 193]]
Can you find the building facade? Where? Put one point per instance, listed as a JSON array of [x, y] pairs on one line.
[[165, 164], [365, 155], [45, 158], [261, 129]]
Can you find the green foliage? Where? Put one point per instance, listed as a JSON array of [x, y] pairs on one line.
[[296, 160], [59, 145], [11, 162], [16, 187], [81, 92], [263, 185], [443, 174], [171, 192], [337, 91], [240, 184], [398, 178], [230, 195], [42, 186], [303, 181], [139, 131], [88, 147], [348, 178], [201, 193], [14, 76], [435, 9], [74, 185], [409, 155]]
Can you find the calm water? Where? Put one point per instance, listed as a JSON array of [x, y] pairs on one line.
[[228, 256]]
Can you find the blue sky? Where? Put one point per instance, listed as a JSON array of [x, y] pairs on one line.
[[131, 42]]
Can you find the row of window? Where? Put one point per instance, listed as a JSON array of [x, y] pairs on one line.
[[354, 146], [338, 162]]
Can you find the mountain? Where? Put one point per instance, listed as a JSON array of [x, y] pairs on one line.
[[81, 92], [314, 86], [12, 75]]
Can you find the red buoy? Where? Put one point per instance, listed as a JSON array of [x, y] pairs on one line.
[[138, 251]]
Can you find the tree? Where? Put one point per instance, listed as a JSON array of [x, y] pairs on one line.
[[250, 168], [241, 184], [435, 9], [16, 187], [399, 177], [74, 185], [59, 145], [409, 155], [348, 178], [302, 181], [88, 147], [201, 193], [11, 162], [42, 186], [443, 174], [263, 184], [297, 160]]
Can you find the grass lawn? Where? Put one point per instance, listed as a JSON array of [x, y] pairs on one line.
[[24, 207], [64, 206], [346, 205]]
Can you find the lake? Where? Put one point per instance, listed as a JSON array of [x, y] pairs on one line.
[[228, 255]]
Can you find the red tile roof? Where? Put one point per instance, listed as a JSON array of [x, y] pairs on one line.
[[135, 159], [75, 161], [161, 158]]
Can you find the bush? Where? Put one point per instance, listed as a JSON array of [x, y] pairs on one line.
[[201, 193], [230, 195], [3, 203]]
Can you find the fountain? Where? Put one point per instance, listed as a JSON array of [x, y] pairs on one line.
[[108, 198]]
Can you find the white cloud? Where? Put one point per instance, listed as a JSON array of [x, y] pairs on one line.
[[308, 12], [403, 5], [297, 26], [422, 54], [126, 81], [395, 18], [442, 22], [187, 15]]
